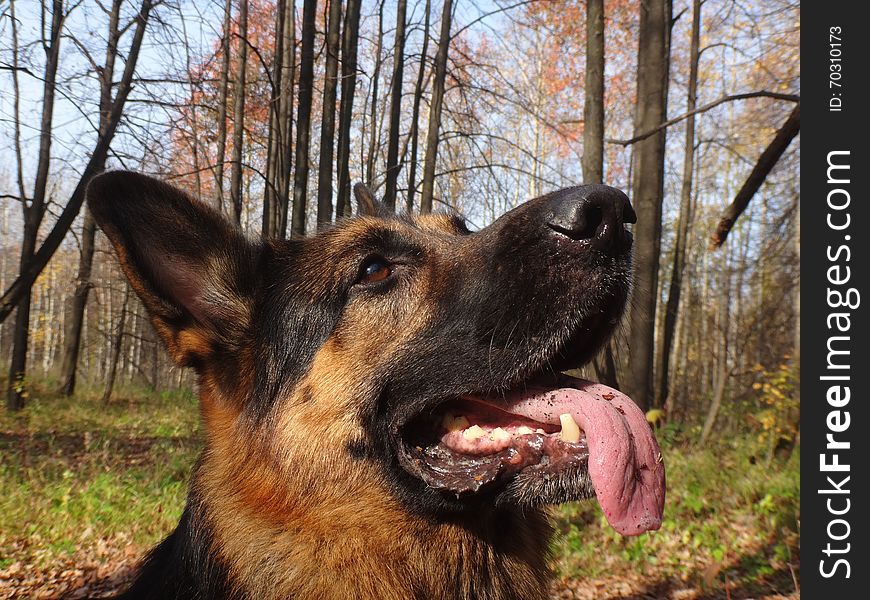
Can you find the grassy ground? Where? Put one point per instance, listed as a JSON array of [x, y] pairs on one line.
[[86, 488], [731, 530]]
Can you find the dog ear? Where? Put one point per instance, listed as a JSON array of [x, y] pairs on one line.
[[366, 203], [193, 270]]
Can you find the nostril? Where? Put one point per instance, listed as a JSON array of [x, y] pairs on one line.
[[580, 224], [594, 213], [594, 216]]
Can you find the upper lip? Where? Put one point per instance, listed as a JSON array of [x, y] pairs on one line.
[[540, 377], [547, 371]]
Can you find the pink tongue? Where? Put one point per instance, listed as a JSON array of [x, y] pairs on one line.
[[625, 462]]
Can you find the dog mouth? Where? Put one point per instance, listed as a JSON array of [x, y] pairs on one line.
[[560, 433]]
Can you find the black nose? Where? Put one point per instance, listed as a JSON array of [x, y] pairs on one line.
[[593, 212]]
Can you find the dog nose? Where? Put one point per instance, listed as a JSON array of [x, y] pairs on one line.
[[596, 213]]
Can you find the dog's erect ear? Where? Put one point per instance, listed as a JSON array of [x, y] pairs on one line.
[[193, 270], [366, 203]]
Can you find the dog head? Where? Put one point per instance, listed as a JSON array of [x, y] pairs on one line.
[[409, 349]]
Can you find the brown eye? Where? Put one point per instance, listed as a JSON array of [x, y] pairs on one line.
[[375, 270]]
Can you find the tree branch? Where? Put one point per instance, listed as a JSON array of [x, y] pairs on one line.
[[705, 108], [760, 171]]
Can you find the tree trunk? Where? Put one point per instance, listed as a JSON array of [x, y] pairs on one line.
[[716, 403], [593, 108], [349, 42], [236, 171], [432, 136], [648, 189], [117, 342], [22, 191], [75, 317], [327, 124], [376, 78], [16, 392], [221, 158], [393, 165], [679, 262], [303, 117], [288, 87], [415, 111], [593, 140], [79, 299], [271, 192], [723, 371]]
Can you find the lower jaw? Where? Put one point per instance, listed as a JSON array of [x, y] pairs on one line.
[[535, 459]]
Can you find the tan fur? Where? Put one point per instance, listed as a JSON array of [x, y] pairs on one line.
[[294, 515], [316, 524]]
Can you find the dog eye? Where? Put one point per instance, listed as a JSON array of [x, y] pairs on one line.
[[374, 270]]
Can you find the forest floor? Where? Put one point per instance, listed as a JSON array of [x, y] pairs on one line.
[[86, 488]]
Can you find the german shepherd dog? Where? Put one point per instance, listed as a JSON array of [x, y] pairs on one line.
[[383, 407]]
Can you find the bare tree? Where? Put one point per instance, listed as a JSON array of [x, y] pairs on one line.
[[274, 156], [349, 42], [393, 165], [653, 59], [35, 210], [679, 260], [117, 342], [327, 127], [222, 106], [374, 141], [79, 299], [236, 168], [22, 284], [415, 111], [593, 139], [432, 136], [285, 120], [303, 118], [593, 107]]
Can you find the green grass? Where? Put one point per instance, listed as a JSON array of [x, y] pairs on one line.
[[728, 518], [80, 481], [77, 475]]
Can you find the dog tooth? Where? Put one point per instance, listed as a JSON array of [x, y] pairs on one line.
[[499, 435], [570, 432], [539, 430], [523, 430], [473, 433], [457, 423]]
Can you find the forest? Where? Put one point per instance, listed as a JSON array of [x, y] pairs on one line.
[[271, 110]]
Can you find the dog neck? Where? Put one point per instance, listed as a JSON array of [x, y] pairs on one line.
[[346, 539], [262, 522]]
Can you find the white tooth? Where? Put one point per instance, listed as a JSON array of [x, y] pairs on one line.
[[456, 423], [523, 430], [499, 435], [473, 433], [539, 430], [570, 432]]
